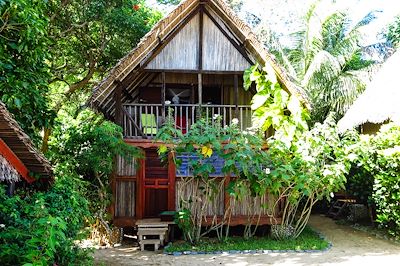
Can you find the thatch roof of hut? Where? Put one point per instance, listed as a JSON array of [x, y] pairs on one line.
[[130, 66], [21, 145], [381, 99]]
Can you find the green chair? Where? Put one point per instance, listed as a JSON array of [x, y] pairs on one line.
[[149, 124]]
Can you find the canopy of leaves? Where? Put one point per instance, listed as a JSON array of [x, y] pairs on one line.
[[23, 70], [325, 58], [89, 37], [393, 33]]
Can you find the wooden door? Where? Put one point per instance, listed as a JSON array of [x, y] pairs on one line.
[[158, 185]]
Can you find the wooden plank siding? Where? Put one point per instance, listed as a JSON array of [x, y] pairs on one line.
[[125, 198], [213, 52], [219, 54], [246, 207], [182, 51]]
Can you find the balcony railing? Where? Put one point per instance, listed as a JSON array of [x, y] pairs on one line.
[[144, 120]]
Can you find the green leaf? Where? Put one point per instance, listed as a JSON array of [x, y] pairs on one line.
[[259, 99]]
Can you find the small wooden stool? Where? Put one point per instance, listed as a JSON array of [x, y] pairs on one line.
[[152, 229]]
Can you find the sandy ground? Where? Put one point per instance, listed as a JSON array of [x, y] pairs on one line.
[[350, 247]]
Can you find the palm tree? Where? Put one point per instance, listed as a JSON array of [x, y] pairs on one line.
[[325, 58]]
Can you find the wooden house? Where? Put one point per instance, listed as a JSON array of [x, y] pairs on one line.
[[20, 162], [192, 61]]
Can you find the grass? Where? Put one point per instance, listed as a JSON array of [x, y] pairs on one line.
[[308, 240]]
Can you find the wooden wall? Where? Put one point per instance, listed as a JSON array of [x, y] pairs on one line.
[[218, 53], [125, 198], [247, 206], [125, 192], [182, 51]]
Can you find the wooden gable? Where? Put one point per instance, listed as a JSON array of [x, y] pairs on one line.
[[204, 37]]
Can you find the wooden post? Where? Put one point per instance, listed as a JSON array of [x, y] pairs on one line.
[[118, 104], [200, 91], [140, 198], [163, 96], [171, 182], [236, 88], [200, 63], [227, 197]]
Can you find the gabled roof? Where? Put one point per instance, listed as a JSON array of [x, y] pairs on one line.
[[130, 65], [381, 99], [21, 145]]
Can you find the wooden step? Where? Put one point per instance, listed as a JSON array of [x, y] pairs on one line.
[[155, 242]]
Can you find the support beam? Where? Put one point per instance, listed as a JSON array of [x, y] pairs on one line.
[[171, 182], [200, 88], [163, 96], [236, 88]]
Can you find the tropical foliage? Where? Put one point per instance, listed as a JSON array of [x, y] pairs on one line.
[[23, 70], [325, 58], [377, 159], [87, 147], [393, 33], [39, 228], [299, 167]]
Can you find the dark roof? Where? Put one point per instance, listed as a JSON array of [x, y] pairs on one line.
[[16, 139]]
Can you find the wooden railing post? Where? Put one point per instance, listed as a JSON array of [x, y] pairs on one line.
[[236, 87]]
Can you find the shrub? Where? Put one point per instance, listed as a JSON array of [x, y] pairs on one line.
[[386, 169], [40, 228]]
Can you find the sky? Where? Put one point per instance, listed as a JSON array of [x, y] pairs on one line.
[[288, 11]]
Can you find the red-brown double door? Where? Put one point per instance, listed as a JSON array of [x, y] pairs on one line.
[[156, 185]]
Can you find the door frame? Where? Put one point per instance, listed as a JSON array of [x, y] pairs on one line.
[[141, 174]]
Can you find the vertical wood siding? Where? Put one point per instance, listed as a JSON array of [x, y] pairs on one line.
[[182, 51], [125, 198], [186, 190], [125, 167], [248, 205], [218, 53]]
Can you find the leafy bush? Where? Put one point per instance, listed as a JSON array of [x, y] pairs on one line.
[[40, 228], [87, 146], [376, 174], [386, 170]]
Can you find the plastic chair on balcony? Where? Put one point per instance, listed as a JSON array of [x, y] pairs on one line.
[[149, 124]]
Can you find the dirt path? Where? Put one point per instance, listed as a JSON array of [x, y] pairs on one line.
[[350, 247]]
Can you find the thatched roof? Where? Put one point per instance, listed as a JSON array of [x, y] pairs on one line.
[[381, 99], [129, 67], [21, 145]]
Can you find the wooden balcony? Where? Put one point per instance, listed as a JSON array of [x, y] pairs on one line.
[[142, 121]]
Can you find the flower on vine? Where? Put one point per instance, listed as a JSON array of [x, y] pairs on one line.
[[267, 171], [352, 157], [332, 195], [327, 172], [235, 121], [216, 116], [206, 151], [167, 102], [2, 225]]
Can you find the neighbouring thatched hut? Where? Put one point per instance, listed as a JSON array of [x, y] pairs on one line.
[[19, 160], [379, 103]]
